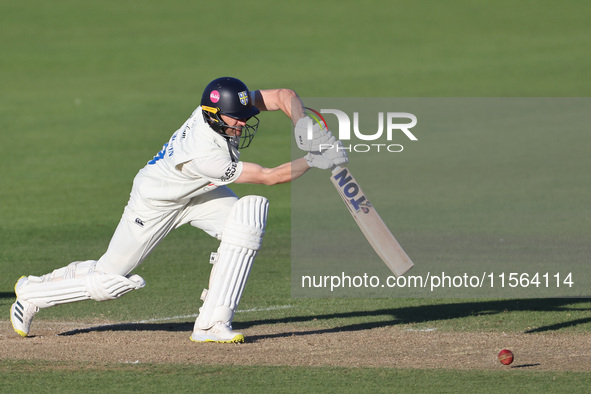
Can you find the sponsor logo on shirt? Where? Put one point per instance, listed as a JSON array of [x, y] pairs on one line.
[[230, 172]]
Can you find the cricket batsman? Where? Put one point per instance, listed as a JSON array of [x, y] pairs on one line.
[[187, 183]]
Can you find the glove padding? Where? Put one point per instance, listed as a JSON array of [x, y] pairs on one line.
[[328, 158], [319, 135]]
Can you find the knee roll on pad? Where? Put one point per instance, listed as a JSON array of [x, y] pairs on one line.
[[104, 287], [241, 240], [246, 224], [77, 282]]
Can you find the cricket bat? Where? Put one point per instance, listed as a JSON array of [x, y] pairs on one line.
[[370, 223]]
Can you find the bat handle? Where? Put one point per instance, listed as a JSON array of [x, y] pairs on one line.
[[336, 169]]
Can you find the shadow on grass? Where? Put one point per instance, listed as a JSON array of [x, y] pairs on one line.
[[7, 294], [381, 317], [172, 327], [432, 313]]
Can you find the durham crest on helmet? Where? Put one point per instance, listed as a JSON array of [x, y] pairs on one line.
[[243, 98]]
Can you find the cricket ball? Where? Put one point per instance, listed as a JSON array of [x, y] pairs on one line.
[[506, 356]]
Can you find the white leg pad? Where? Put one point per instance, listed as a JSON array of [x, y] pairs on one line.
[[76, 282], [241, 239]]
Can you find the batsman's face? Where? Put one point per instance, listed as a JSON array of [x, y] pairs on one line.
[[235, 126]]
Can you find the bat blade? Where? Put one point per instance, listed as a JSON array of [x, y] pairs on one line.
[[369, 221]]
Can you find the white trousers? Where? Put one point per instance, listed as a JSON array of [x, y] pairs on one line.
[[142, 227]]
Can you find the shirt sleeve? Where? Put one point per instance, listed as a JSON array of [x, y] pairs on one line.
[[217, 169]]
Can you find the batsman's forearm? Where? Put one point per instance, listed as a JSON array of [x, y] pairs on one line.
[[298, 168], [289, 171], [255, 173], [289, 102], [286, 100]]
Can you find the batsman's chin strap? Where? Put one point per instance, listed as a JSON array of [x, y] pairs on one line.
[[232, 143], [211, 116]]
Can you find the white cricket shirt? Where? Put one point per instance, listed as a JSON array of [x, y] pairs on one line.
[[195, 160]]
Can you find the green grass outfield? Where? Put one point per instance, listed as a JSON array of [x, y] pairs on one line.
[[89, 91], [183, 378]]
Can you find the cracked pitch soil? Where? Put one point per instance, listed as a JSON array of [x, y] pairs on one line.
[[285, 344]]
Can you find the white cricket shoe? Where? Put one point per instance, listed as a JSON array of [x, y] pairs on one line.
[[22, 312], [219, 333]]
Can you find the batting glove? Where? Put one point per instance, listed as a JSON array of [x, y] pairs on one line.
[[333, 154], [320, 136]]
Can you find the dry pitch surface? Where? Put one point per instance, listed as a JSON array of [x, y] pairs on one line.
[[286, 344]]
